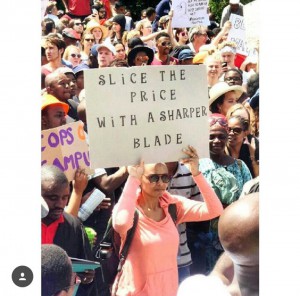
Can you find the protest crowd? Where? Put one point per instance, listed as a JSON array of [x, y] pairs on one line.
[[192, 222]]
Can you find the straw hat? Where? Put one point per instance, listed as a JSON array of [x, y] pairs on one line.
[[92, 24], [222, 88]]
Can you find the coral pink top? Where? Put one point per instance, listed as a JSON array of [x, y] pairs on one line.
[[151, 265]]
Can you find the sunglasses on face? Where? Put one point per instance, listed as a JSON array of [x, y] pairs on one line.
[[221, 121], [74, 55], [165, 43], [78, 24], [154, 178], [232, 79], [235, 130], [143, 59], [183, 33], [89, 40]]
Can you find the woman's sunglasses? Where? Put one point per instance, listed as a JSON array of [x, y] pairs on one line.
[[154, 178], [235, 130], [73, 55], [143, 59]]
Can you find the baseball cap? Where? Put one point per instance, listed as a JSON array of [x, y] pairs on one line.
[[186, 54], [95, 48], [49, 100], [69, 32], [234, 1]]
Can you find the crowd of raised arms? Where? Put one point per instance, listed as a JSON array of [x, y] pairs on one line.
[[194, 221]]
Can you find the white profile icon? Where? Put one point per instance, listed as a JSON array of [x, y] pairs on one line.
[[22, 278]]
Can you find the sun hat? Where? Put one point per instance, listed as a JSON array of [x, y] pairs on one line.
[[92, 24], [222, 88], [69, 32], [49, 100], [95, 48], [185, 54], [139, 48]]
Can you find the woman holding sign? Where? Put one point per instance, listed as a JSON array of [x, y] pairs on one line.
[[151, 265]]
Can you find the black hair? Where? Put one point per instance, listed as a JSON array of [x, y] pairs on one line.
[[56, 270], [119, 4], [214, 106], [162, 34], [252, 85], [244, 122], [49, 25], [236, 70], [150, 11], [53, 173], [177, 49]]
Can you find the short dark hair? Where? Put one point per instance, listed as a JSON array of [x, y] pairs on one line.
[[52, 172], [150, 11], [56, 270], [252, 85], [214, 106], [236, 70], [162, 34], [119, 4]]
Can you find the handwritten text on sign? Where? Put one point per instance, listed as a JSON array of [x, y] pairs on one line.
[[149, 112], [237, 34], [66, 148], [189, 13]]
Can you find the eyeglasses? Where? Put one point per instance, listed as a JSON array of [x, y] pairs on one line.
[[154, 178], [78, 24], [183, 33], [143, 59], [232, 78], [165, 43], [73, 55], [221, 121], [89, 40], [235, 130]]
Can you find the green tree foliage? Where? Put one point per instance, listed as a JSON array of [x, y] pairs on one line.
[[216, 6]]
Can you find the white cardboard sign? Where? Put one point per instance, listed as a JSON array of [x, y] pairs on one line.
[[148, 113], [189, 13]]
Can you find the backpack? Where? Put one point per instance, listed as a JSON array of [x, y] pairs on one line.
[[224, 184], [108, 250]]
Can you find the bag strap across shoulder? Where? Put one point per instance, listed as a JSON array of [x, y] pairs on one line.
[[172, 209], [129, 237]]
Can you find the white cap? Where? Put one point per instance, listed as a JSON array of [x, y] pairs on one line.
[[234, 1]]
